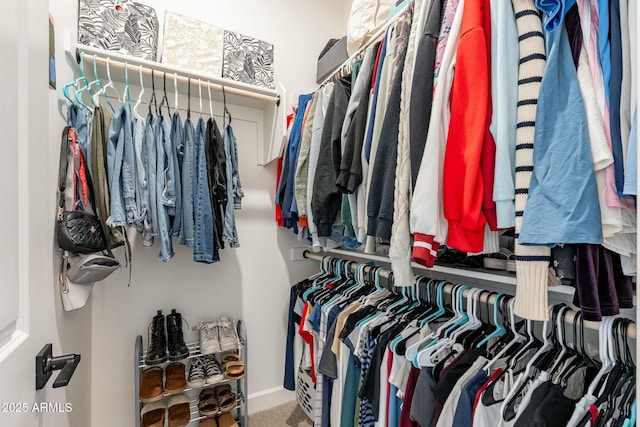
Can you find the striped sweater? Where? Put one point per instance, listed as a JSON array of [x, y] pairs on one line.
[[532, 262]]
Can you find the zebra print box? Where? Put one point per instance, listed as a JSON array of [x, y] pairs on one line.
[[121, 26], [248, 60]]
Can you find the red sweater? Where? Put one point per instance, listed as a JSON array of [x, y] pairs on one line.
[[463, 184], [488, 157]]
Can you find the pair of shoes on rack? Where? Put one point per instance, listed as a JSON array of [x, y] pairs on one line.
[[204, 370], [163, 344], [154, 385], [214, 401], [218, 335], [232, 366], [224, 420], [176, 410]]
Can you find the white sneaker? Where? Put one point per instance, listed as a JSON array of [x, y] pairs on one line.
[[228, 335], [209, 341]]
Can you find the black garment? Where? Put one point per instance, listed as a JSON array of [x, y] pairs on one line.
[[422, 87], [555, 410], [326, 199], [217, 176], [383, 180], [602, 289], [350, 175], [354, 318], [574, 31], [538, 395], [371, 383], [423, 407], [451, 376]]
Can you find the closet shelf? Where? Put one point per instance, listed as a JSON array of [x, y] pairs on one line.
[[473, 275], [270, 102]]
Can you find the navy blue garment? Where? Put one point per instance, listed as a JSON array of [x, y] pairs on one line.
[[372, 114], [289, 208], [615, 93], [289, 363], [464, 410]]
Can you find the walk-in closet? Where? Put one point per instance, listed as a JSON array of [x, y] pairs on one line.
[[340, 213]]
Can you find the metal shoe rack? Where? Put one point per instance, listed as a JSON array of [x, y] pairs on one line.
[[240, 412]]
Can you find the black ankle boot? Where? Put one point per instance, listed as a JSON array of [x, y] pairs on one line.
[[177, 348], [157, 351]]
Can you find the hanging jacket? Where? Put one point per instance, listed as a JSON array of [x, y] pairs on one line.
[[217, 177], [381, 190], [426, 216], [326, 196], [463, 184], [99, 135]]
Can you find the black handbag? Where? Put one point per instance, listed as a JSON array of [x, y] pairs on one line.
[[77, 231]]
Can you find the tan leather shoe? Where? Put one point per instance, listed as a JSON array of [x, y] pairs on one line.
[[151, 389], [208, 422], [176, 380], [179, 410], [153, 414], [227, 420]]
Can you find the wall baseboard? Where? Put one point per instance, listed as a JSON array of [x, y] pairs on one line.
[[269, 398]]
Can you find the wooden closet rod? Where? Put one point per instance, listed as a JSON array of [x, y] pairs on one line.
[[569, 316], [118, 61]]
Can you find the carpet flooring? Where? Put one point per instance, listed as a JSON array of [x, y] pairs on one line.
[[286, 415]]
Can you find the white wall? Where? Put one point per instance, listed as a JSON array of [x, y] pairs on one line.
[[72, 331], [251, 282]]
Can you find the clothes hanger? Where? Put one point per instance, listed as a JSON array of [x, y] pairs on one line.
[[175, 92], [468, 321], [414, 329], [226, 109], [141, 94], [189, 114], [584, 360], [517, 339], [474, 338], [433, 337], [127, 94], [210, 102], [82, 80], [508, 409], [200, 95], [165, 99], [103, 90], [500, 330], [96, 81]]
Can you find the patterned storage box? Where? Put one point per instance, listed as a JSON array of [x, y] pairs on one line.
[[248, 60], [121, 26], [192, 44]]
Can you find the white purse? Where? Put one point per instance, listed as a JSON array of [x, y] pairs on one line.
[[79, 274]]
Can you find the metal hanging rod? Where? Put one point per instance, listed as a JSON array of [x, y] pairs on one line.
[[569, 316], [119, 61]]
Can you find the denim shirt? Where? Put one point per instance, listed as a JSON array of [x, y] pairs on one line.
[[165, 186], [186, 231], [121, 169], [177, 151], [150, 146], [234, 188], [203, 242], [142, 187]]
